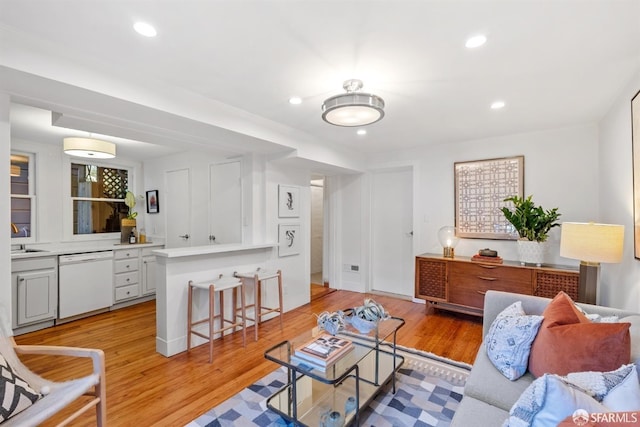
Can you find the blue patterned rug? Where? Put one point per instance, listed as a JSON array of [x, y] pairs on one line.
[[429, 389]]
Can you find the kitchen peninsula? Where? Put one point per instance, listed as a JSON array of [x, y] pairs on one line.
[[175, 267]]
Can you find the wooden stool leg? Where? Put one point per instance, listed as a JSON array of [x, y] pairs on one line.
[[189, 313], [212, 301], [244, 314], [258, 305], [280, 299], [221, 312]]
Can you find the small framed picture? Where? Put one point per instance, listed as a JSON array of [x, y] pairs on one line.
[[288, 239], [288, 201], [153, 204]]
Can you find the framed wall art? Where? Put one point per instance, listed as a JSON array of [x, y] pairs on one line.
[[480, 189], [288, 239], [153, 203], [288, 201], [635, 143]]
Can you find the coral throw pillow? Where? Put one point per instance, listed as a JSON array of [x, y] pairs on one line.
[[568, 342]]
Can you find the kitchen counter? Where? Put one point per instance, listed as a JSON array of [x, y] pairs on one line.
[[55, 249]]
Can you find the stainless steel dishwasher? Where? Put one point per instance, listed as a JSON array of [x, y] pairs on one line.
[[85, 283]]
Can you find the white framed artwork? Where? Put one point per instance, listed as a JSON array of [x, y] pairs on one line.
[[288, 201], [288, 239]]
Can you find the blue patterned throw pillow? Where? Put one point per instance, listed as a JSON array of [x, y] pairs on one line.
[[509, 340]]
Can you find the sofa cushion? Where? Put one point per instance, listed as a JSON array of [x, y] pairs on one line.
[[470, 411], [15, 394], [634, 331], [568, 342], [486, 383], [551, 398], [509, 340], [548, 401]]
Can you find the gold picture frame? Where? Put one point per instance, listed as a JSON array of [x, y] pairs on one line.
[[480, 189], [635, 144]]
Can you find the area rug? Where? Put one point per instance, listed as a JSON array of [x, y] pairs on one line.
[[428, 391]]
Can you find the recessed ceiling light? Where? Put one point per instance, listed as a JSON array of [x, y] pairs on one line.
[[362, 132], [496, 105], [145, 29], [295, 100], [476, 41]]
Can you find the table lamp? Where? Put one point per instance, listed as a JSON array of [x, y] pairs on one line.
[[592, 244], [448, 240]]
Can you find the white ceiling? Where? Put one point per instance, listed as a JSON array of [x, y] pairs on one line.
[[555, 63]]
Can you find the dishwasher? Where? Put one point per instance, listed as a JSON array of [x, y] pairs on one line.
[[85, 283]]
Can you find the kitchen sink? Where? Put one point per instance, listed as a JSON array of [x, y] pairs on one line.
[[22, 250]]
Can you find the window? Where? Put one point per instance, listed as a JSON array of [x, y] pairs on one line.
[[23, 198], [97, 194]]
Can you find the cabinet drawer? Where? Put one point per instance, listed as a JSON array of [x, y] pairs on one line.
[[127, 292], [470, 291], [127, 254], [124, 279], [125, 265], [490, 272]]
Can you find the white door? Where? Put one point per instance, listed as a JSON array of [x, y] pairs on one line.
[[392, 231], [178, 208], [225, 203]]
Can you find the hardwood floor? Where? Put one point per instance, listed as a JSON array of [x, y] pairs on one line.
[[145, 388]]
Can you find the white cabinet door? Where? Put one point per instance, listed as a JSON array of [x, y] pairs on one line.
[[37, 296], [148, 275]]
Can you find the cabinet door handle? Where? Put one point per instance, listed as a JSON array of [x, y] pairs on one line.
[[488, 266], [481, 292], [490, 279]]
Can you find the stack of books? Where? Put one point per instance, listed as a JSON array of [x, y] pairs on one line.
[[322, 352]]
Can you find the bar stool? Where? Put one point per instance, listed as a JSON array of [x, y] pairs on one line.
[[218, 286], [258, 277]]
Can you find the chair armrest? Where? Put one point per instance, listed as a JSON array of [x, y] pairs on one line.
[[96, 355]]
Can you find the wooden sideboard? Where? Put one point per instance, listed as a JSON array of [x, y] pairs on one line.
[[459, 284]]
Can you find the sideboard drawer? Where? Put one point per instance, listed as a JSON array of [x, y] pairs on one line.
[[470, 291], [488, 272]]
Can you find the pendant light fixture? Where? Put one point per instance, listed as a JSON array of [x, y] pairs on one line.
[[90, 148], [353, 108]]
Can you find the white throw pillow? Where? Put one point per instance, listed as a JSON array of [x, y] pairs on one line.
[[552, 398], [509, 339], [549, 400]]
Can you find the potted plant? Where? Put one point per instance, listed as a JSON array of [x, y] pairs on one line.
[[128, 224], [532, 223]]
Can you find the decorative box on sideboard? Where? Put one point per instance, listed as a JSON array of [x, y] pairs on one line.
[[459, 284]]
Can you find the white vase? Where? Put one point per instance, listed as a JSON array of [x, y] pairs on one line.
[[531, 252]]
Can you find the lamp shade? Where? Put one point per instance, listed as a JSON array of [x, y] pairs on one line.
[[591, 242], [447, 236], [89, 147]]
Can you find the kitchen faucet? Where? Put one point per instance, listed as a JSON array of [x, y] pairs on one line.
[[14, 229]]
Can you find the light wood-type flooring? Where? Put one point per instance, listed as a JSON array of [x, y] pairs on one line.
[[145, 388]]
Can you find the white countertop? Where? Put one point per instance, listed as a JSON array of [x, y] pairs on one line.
[[209, 249], [55, 249]]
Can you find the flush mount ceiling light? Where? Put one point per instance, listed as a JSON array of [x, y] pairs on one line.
[[353, 108], [145, 29], [89, 148], [476, 41]]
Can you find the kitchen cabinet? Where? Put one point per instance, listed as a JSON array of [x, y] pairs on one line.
[[126, 269], [459, 284], [148, 266], [34, 293]]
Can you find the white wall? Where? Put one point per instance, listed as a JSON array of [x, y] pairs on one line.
[[620, 283]]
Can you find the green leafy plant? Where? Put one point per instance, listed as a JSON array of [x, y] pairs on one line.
[[130, 201], [530, 221]]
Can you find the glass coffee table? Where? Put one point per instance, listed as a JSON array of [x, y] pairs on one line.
[[335, 396]]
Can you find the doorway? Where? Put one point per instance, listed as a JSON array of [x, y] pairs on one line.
[[319, 285]]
